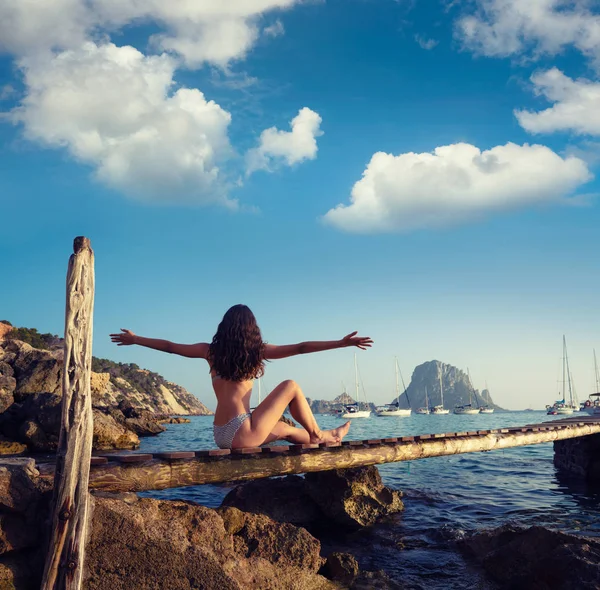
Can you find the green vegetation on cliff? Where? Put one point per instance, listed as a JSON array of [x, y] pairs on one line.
[[32, 337]]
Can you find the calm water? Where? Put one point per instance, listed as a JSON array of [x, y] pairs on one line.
[[445, 497]]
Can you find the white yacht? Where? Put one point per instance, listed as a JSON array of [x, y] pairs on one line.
[[440, 409], [353, 410], [395, 409]]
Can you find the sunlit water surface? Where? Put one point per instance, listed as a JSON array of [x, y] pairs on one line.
[[445, 497]]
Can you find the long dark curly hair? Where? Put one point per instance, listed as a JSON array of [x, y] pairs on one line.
[[237, 349]]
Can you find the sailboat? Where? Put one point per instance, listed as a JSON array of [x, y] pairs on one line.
[[467, 408], [440, 409], [592, 406], [353, 410], [395, 409], [424, 410], [562, 406], [487, 409]]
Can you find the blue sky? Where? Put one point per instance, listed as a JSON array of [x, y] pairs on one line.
[[472, 236]]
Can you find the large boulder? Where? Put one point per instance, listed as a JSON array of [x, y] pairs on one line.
[[256, 535], [284, 499], [536, 558], [23, 505], [183, 546], [352, 498], [35, 370], [109, 434]]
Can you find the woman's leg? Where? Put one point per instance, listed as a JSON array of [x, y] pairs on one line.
[[283, 431], [266, 416]]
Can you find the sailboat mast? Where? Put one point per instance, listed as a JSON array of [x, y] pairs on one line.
[[441, 387], [397, 383], [356, 377], [568, 373], [564, 369], [596, 372], [470, 385]]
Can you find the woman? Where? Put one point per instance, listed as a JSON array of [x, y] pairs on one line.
[[236, 357]]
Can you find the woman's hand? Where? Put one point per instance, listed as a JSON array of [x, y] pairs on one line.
[[362, 342], [125, 339]]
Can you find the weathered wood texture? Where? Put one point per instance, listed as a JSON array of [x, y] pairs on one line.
[[70, 514], [138, 472]]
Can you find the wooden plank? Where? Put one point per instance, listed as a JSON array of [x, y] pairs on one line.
[[277, 449], [98, 460], [70, 511], [175, 455], [158, 474], [131, 458], [247, 451]]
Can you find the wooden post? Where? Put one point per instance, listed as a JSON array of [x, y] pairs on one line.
[[70, 510]]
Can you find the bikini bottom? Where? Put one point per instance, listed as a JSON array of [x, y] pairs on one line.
[[225, 434]]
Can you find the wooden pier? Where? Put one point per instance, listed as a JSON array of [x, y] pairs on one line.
[[122, 472]]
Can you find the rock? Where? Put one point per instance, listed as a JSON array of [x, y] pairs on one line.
[[179, 545], [23, 505], [279, 543], [9, 447], [109, 434], [31, 432], [46, 410], [353, 497], [21, 571], [8, 384], [99, 383], [536, 558], [283, 499], [35, 370], [144, 426], [341, 567], [19, 484], [174, 420]]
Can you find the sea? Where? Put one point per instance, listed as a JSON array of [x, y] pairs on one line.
[[446, 498]]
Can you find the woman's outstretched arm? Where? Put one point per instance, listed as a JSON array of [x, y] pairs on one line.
[[279, 352], [127, 337]]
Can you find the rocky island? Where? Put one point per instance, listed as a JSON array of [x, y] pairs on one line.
[[457, 386]]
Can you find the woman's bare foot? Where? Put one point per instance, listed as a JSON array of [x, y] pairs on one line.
[[331, 436]]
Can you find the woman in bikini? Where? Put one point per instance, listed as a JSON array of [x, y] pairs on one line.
[[236, 357]]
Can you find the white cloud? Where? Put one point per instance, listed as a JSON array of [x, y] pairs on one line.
[[455, 183], [111, 107], [502, 28], [292, 147], [425, 43], [275, 30], [200, 31], [576, 105]]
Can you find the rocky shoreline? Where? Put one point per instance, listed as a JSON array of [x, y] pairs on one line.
[[267, 534], [30, 403]]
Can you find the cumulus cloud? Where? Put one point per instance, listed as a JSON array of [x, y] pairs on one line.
[[453, 184], [112, 108], [202, 31], [290, 147], [576, 105], [502, 28], [119, 110]]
